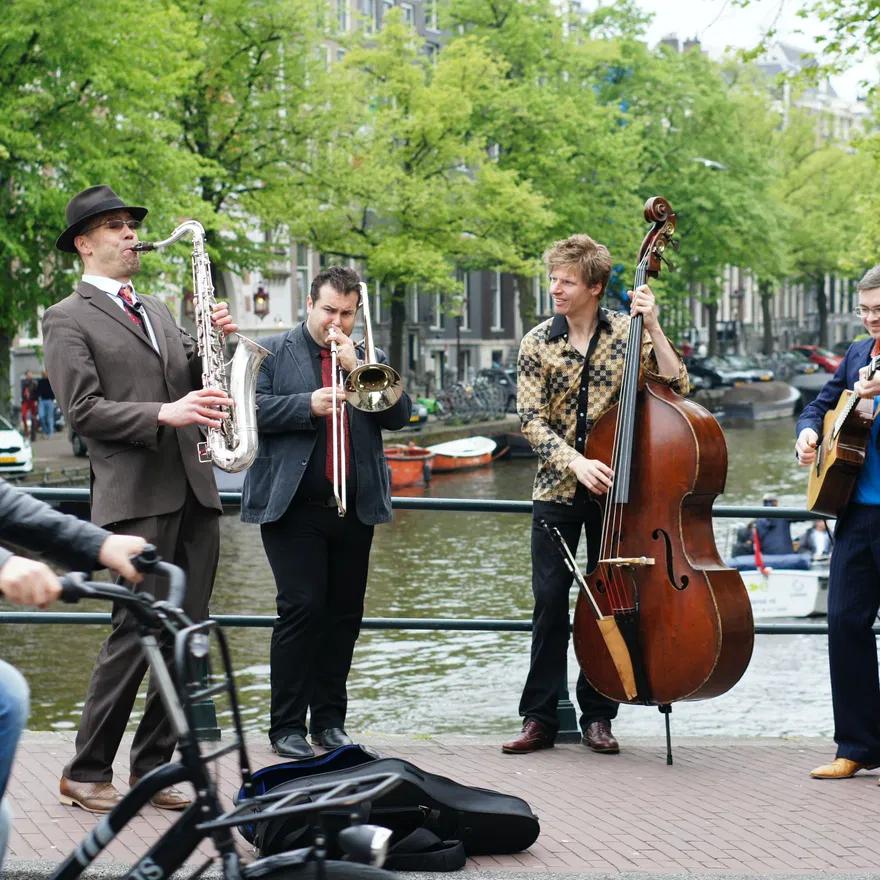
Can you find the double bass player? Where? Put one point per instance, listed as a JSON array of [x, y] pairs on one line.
[[569, 372]]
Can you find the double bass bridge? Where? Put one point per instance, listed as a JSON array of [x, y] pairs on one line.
[[628, 561]]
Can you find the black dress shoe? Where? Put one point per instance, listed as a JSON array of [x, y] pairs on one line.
[[331, 738], [293, 745]]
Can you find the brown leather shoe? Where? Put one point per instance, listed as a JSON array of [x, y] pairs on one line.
[[96, 797], [534, 736], [599, 738], [840, 768], [171, 798]]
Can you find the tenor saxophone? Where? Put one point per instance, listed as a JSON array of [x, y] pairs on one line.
[[233, 446]]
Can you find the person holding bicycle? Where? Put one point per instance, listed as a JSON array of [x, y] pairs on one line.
[[24, 581]]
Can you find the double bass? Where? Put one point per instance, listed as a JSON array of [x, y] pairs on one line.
[[685, 617]]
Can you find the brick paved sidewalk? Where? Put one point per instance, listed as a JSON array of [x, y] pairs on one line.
[[729, 806]]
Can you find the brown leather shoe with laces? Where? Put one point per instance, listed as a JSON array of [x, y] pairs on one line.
[[170, 798], [534, 736], [96, 797], [599, 738]]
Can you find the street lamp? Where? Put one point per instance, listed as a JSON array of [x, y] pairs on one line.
[[261, 302]]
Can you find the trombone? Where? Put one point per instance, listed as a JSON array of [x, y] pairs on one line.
[[370, 387]]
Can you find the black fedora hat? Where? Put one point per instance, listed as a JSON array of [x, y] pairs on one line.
[[87, 204]]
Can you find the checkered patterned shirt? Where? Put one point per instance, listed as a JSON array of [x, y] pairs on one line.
[[561, 394]]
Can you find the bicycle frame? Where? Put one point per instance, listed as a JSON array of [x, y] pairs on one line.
[[205, 818]]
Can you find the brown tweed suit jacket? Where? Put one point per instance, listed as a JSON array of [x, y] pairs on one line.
[[110, 383]]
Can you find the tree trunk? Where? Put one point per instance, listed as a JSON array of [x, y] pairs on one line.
[[822, 308], [5, 400], [398, 317], [768, 342], [528, 308]]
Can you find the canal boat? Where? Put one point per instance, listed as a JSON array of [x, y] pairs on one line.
[[456, 455], [788, 592], [760, 401], [409, 465]]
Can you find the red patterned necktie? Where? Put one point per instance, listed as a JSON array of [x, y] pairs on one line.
[[327, 379], [125, 294]]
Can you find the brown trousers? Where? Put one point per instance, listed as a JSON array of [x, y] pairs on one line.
[[188, 537]]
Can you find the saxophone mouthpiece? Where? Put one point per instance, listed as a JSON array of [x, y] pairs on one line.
[[143, 246]]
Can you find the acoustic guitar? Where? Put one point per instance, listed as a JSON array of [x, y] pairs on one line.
[[840, 452]]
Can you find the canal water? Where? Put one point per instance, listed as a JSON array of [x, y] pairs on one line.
[[463, 565]]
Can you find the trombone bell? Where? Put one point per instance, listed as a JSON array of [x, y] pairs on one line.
[[372, 387]]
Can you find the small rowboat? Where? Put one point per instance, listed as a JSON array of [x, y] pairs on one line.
[[456, 455], [410, 465]]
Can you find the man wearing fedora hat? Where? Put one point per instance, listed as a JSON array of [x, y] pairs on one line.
[[129, 382]]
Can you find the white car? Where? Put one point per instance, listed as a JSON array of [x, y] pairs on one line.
[[16, 455]]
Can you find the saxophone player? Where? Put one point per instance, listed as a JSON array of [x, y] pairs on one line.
[[129, 382]]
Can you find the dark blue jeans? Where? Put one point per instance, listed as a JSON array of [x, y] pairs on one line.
[[551, 584], [853, 601]]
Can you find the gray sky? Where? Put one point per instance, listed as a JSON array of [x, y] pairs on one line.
[[721, 23]]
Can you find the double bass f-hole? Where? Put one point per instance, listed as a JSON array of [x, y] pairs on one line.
[[670, 573]]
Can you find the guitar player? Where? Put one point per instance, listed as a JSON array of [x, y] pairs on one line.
[[854, 586]]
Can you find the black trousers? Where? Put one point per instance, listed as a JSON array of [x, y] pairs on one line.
[[853, 602], [320, 563], [190, 538], [551, 583]]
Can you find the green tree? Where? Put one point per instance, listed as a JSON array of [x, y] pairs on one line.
[[81, 102], [552, 126], [404, 177]]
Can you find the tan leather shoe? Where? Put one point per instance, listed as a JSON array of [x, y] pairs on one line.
[[840, 768], [96, 797], [171, 798]]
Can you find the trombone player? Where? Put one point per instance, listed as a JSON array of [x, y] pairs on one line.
[[317, 522]]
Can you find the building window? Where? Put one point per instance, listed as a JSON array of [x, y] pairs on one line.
[[414, 304], [413, 346], [376, 305], [496, 301], [340, 54], [465, 302], [302, 277], [408, 13], [368, 7], [541, 289], [342, 15], [437, 319], [431, 15]]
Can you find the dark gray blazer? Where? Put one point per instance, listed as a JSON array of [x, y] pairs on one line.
[[287, 436], [111, 383]]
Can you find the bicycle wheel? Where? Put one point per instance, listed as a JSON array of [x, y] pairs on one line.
[[333, 870]]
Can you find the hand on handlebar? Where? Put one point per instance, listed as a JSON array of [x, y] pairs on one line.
[[117, 552], [29, 582]]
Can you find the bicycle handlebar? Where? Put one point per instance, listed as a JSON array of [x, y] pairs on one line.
[[76, 585]]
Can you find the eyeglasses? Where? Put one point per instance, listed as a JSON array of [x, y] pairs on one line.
[[864, 311], [115, 225]]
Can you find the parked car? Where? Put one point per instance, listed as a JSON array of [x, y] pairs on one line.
[[788, 364], [828, 360], [16, 453], [719, 372], [750, 368], [504, 378]]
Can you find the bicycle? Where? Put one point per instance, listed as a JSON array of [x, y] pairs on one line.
[[366, 845]]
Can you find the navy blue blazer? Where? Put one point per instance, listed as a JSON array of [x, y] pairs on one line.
[[858, 355], [287, 434]]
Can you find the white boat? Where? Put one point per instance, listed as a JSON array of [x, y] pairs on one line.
[[456, 455], [760, 401], [788, 592]]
